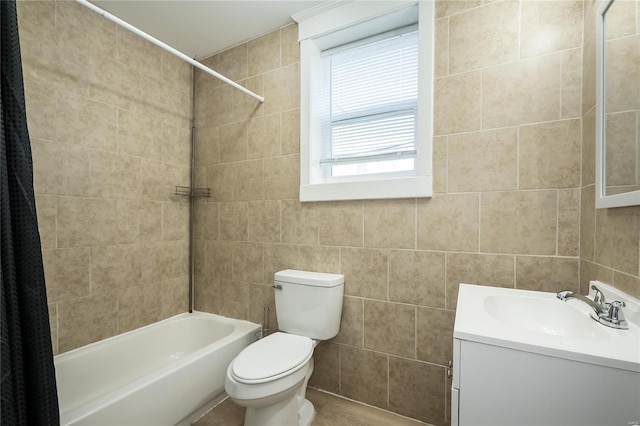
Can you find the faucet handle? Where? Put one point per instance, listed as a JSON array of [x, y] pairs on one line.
[[598, 297], [614, 315]]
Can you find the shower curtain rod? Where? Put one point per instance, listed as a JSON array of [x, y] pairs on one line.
[[168, 48]]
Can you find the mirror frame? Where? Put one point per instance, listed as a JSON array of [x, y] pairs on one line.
[[603, 201]]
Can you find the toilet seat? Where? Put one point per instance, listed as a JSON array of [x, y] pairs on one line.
[[271, 358]]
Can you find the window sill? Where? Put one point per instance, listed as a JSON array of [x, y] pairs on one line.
[[406, 187]]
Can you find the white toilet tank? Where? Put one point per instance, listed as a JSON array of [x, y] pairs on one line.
[[309, 303]]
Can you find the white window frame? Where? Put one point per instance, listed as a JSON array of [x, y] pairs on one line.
[[338, 23]]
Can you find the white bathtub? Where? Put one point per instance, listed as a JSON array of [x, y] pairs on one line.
[[166, 373]]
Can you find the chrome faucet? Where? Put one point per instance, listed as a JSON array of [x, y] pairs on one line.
[[608, 314]]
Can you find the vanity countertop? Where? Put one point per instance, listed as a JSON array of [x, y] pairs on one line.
[[538, 322]]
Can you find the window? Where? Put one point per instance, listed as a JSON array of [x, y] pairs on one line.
[[366, 90]]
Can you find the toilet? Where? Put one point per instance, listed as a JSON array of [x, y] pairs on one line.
[[269, 377]]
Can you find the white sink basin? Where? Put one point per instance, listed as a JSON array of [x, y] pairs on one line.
[[539, 322], [549, 316]]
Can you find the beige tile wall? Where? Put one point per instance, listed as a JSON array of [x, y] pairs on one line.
[[507, 165], [609, 238], [108, 116]]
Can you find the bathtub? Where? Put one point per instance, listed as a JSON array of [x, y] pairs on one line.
[[167, 373]]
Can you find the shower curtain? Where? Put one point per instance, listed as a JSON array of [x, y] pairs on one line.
[[27, 383]]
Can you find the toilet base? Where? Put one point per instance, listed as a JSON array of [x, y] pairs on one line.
[[306, 413]]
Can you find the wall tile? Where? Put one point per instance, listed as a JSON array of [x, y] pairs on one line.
[[587, 223], [483, 36], [326, 373], [139, 306], [319, 259], [60, 168], [53, 326], [550, 274], [451, 7], [299, 222], [86, 221], [160, 179], [340, 223], [523, 222], [592, 271], [290, 48], [627, 283], [620, 20], [571, 97], [66, 273], [549, 155], [138, 221], [206, 220], [115, 175], [363, 375], [390, 328], [40, 101], [264, 221], [278, 257], [290, 138], [417, 390], [264, 136], [175, 221], [219, 260], [533, 85], [569, 222], [617, 242], [175, 296], [441, 48], [440, 164], [365, 272], [222, 181], [234, 221], [456, 103], [233, 299], [351, 322], [245, 106], [176, 144], [589, 73], [589, 147], [162, 260], [82, 121], [139, 135], [390, 223], [86, 320], [483, 269], [138, 53], [233, 63], [417, 277], [449, 222], [483, 161], [233, 142], [282, 177], [281, 89], [434, 338], [46, 208], [207, 146], [248, 262], [249, 181], [550, 27], [206, 294], [264, 53], [115, 267]]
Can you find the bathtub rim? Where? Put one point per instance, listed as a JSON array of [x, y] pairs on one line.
[[241, 329]]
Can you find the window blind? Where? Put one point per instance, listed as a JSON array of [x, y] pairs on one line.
[[373, 90]]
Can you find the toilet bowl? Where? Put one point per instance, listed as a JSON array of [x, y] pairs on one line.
[[270, 377]]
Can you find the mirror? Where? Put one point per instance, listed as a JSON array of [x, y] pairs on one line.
[[618, 104]]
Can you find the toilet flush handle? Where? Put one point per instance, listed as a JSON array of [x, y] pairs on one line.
[[277, 287]]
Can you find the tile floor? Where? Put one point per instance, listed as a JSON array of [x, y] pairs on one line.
[[330, 411]]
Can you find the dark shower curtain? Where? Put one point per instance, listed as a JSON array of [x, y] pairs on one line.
[[28, 383]]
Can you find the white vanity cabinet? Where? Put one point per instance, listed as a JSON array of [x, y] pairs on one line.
[[494, 385], [527, 358]]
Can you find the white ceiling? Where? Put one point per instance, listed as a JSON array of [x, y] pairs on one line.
[[199, 28]]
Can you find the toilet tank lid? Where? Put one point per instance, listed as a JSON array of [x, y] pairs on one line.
[[316, 279]]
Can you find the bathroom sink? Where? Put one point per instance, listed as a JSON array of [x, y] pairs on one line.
[[542, 315], [539, 322]]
